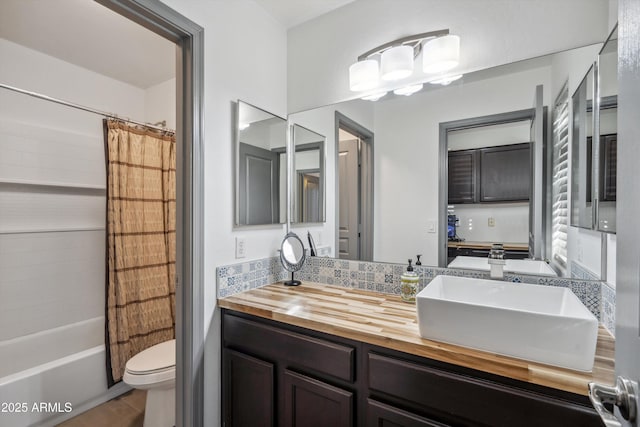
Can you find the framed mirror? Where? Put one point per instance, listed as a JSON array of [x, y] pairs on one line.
[[308, 176], [260, 167], [607, 133], [582, 153]]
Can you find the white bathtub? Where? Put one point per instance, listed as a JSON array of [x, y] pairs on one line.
[[63, 367]]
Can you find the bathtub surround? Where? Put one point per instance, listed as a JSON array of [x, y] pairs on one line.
[[141, 241], [385, 278]]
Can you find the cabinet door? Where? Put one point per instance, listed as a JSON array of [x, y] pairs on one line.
[[505, 173], [312, 403], [381, 415], [249, 392], [462, 176], [608, 165]]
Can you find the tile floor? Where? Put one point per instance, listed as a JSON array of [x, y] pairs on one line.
[[126, 410]]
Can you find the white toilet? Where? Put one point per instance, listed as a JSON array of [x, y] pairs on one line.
[[154, 370]]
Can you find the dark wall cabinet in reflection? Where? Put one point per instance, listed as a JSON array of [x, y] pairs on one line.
[[462, 176], [490, 175], [505, 173], [608, 162]]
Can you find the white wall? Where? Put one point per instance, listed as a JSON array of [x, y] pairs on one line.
[[490, 136], [511, 222], [322, 120], [245, 58], [493, 32], [160, 103]]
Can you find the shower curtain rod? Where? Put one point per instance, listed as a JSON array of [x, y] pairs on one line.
[[82, 107]]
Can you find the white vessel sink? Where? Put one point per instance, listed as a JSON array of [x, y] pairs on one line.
[[521, 266], [539, 323]]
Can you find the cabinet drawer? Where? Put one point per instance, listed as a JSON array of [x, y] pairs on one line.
[[381, 415], [301, 351], [470, 401]]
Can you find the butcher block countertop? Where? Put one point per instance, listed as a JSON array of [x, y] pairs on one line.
[[384, 320], [487, 245]]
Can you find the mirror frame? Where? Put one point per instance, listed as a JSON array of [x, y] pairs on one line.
[[284, 216], [293, 184], [602, 103]]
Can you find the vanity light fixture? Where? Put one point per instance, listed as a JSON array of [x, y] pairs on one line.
[[441, 54], [374, 96], [408, 90], [364, 75], [445, 80], [394, 61]]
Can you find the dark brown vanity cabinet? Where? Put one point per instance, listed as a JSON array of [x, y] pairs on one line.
[[490, 175], [276, 374]]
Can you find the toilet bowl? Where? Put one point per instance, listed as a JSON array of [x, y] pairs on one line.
[[154, 370]]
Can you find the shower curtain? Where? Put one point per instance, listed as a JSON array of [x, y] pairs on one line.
[[141, 242]]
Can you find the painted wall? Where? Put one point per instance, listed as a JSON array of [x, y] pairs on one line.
[[245, 58], [493, 32], [160, 103]]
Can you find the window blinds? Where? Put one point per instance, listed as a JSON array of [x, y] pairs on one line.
[[560, 178]]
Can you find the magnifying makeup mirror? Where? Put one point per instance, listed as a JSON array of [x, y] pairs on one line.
[[292, 256]]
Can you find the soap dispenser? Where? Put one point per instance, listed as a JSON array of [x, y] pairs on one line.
[[409, 285]]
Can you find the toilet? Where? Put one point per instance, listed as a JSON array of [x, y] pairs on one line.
[[154, 370]]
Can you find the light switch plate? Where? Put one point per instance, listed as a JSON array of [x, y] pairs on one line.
[[491, 222], [431, 226], [241, 247]]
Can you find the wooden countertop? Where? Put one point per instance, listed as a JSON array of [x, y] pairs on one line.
[[487, 245], [386, 321]]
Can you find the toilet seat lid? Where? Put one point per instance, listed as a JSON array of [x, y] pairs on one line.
[[158, 357]]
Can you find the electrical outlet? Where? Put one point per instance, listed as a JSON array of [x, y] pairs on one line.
[[431, 226], [491, 222], [241, 247]]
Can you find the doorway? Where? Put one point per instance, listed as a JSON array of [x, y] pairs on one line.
[[185, 39], [354, 190]]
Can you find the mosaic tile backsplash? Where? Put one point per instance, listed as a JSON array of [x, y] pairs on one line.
[[382, 277], [608, 317]]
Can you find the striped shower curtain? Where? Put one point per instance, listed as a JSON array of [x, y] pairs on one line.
[[141, 242]]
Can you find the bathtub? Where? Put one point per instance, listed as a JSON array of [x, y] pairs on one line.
[[62, 368]]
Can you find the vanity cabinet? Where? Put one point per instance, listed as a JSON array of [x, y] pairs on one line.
[[275, 374], [490, 175]]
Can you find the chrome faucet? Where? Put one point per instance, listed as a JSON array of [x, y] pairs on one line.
[[496, 260]]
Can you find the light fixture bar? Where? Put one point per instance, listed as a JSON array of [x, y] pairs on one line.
[[415, 40]]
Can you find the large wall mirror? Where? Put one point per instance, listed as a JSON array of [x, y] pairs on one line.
[[582, 153], [261, 167], [608, 133], [407, 168], [308, 176]]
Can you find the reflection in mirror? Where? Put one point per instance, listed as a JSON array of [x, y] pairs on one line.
[[407, 178], [261, 167], [292, 256], [307, 182], [582, 153], [608, 133]]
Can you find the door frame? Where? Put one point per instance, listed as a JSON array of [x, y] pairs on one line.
[[189, 39], [474, 122], [366, 202]]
